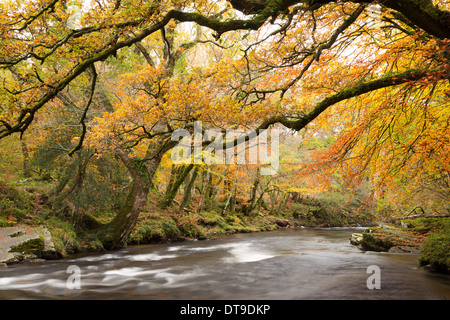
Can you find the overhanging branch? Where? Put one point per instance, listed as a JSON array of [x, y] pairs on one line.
[[424, 14], [352, 92], [26, 117]]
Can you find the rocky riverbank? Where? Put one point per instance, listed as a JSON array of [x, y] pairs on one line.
[[429, 238], [24, 243], [387, 239], [25, 210]]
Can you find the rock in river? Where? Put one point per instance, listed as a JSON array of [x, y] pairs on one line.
[[356, 238]]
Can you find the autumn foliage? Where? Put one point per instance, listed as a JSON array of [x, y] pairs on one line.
[[360, 91]]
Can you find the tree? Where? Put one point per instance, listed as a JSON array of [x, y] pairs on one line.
[[155, 100], [41, 33], [314, 64]]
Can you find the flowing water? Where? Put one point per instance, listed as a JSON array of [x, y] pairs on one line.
[[285, 264]]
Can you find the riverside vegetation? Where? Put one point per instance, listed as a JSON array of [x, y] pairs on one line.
[[25, 205], [427, 236]]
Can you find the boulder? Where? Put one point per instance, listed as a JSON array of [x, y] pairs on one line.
[[24, 243], [283, 223], [372, 241], [356, 238]]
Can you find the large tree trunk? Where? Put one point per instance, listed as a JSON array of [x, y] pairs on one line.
[[205, 189], [232, 193], [252, 201], [115, 233]]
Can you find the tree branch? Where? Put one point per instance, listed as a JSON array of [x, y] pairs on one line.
[[355, 91], [424, 14], [83, 117]]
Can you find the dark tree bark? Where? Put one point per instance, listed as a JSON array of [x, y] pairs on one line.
[[254, 190], [115, 233]]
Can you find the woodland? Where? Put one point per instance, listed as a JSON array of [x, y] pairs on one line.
[[92, 92]]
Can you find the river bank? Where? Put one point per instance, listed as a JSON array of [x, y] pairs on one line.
[[23, 240], [425, 237], [28, 209], [32, 230], [58, 239], [429, 237]]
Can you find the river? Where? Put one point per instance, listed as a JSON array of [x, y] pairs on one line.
[[284, 264]]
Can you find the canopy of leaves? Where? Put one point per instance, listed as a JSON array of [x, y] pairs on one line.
[[124, 74]]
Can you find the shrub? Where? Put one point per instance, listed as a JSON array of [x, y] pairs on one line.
[[14, 205], [189, 228]]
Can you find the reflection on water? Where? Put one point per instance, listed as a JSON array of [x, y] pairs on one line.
[[288, 264]]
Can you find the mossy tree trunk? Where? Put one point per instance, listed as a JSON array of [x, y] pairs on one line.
[[115, 233], [252, 200], [188, 191], [173, 188], [205, 190], [26, 160], [232, 192]]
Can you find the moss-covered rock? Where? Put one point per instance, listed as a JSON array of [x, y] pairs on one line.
[[374, 239], [389, 238], [155, 231], [436, 253], [211, 219], [31, 246], [428, 236], [21, 242], [356, 238]]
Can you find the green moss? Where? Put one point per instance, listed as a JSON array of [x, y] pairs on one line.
[[374, 239], [436, 249], [32, 246], [190, 230], [162, 229], [148, 232], [171, 230], [4, 222], [424, 225], [436, 252], [15, 204], [91, 242], [211, 219], [64, 237]]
